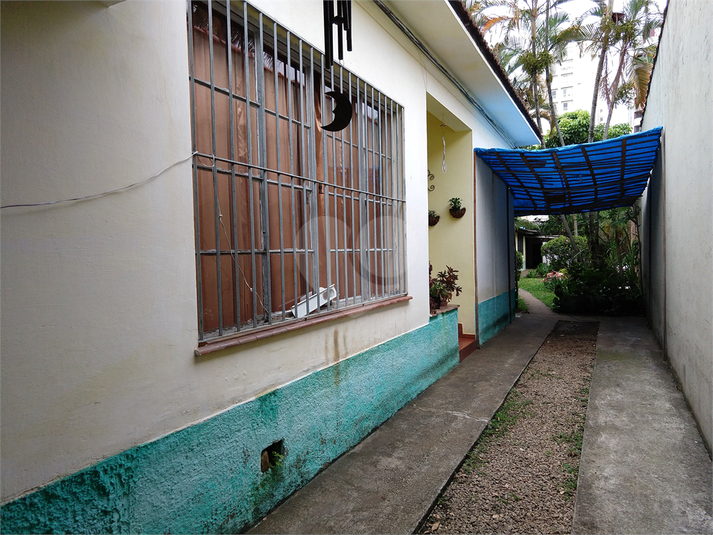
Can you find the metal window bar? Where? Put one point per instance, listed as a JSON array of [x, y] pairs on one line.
[[384, 291], [234, 211], [371, 153], [314, 196], [362, 195], [215, 173], [279, 165], [376, 135], [262, 159], [325, 177], [333, 136], [400, 177], [390, 204], [352, 128], [344, 195], [292, 166], [306, 235], [248, 116], [196, 215]]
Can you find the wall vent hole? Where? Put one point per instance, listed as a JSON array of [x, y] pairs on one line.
[[272, 456]]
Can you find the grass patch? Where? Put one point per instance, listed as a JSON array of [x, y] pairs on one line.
[[503, 419], [522, 305], [537, 288], [570, 484], [574, 441]]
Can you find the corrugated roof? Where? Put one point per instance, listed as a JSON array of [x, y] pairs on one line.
[[577, 178]]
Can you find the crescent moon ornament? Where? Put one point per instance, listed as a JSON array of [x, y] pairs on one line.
[[342, 111]]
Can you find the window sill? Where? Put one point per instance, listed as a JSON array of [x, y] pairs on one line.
[[211, 346]]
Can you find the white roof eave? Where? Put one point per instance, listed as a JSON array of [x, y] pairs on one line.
[[436, 24]]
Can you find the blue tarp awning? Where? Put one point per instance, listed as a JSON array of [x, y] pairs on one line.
[[577, 178]]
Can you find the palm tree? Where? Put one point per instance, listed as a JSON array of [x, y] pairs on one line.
[[642, 65], [630, 33], [599, 37], [532, 54], [556, 34]]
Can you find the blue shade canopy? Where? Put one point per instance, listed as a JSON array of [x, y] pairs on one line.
[[577, 178]]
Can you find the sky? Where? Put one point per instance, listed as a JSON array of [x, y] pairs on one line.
[[578, 7]]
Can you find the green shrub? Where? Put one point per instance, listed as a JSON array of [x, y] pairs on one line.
[[539, 272], [596, 290], [561, 253]]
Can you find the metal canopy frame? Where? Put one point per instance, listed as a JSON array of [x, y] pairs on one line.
[[577, 178]]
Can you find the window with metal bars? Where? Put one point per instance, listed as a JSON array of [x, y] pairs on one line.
[[291, 220]]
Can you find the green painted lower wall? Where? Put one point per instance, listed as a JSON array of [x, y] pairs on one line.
[[207, 478], [494, 314]]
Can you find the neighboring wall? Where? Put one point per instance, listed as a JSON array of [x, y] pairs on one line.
[[678, 205]]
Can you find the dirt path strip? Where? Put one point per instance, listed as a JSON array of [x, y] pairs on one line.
[[521, 476]]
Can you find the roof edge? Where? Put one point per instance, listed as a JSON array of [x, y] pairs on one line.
[[467, 22]]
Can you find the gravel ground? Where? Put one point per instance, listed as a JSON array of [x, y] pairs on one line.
[[521, 476]]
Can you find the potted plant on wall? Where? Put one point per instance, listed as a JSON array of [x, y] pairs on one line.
[[456, 208], [443, 286], [433, 218]]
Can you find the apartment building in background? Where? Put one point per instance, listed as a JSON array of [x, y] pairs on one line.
[[573, 86]]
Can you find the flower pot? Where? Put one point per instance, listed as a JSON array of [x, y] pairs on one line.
[[432, 220], [457, 213]]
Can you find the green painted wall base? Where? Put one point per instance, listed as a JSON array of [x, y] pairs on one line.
[[207, 478], [494, 314]]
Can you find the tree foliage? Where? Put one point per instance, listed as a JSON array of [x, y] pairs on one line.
[[574, 126], [526, 224], [561, 254]]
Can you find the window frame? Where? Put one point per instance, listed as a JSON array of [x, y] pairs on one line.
[[371, 106]]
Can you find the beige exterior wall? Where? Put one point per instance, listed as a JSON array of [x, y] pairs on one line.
[[678, 204], [451, 241], [99, 297]]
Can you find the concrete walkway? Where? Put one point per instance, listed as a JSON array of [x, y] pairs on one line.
[[388, 482], [644, 468], [534, 305]]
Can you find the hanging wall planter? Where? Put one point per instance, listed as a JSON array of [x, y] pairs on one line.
[[433, 218], [456, 208]]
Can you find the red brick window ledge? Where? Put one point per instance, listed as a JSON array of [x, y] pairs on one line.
[[210, 346]]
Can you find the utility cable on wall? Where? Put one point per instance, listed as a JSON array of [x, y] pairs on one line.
[[102, 194], [443, 137]]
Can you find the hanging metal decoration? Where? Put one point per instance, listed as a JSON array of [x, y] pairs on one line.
[[342, 18], [342, 111]]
